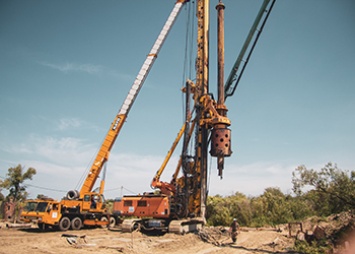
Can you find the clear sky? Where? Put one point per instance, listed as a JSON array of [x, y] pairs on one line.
[[66, 67]]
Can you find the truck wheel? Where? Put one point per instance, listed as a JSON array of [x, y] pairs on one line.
[[64, 224], [104, 219], [76, 223], [136, 226], [42, 227], [112, 223]]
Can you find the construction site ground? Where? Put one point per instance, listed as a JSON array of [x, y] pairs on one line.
[[99, 240]]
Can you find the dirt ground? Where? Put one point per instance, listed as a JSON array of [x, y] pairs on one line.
[[100, 240]]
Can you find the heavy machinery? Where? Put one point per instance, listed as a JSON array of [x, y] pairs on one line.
[[179, 206], [87, 207]]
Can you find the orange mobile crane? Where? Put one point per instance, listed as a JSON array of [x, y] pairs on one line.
[[180, 205], [87, 207]]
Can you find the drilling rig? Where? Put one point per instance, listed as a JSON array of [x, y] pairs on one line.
[[179, 206]]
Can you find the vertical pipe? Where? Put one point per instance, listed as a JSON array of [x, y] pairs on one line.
[[220, 57], [220, 51]]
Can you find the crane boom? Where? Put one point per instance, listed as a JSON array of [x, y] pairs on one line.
[[120, 118], [236, 72]]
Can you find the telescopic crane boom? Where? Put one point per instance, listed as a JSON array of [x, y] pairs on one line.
[[120, 118]]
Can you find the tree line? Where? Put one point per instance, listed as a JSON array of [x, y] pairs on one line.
[[321, 193]]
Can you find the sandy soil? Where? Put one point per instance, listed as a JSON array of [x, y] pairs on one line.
[[106, 241]]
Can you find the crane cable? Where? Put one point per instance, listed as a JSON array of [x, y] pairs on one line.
[[188, 55]]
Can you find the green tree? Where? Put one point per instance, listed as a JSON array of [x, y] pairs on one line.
[[334, 187], [301, 207], [14, 182], [259, 217], [277, 206], [320, 202], [218, 211], [240, 208]]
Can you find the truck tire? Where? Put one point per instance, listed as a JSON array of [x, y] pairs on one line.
[[103, 218], [64, 224], [112, 223], [42, 226], [76, 223]]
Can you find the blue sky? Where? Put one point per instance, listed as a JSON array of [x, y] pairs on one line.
[[66, 67]]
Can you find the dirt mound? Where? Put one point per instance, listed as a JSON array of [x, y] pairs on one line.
[[336, 232]]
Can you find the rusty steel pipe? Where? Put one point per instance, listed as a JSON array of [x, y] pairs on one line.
[[220, 51]]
